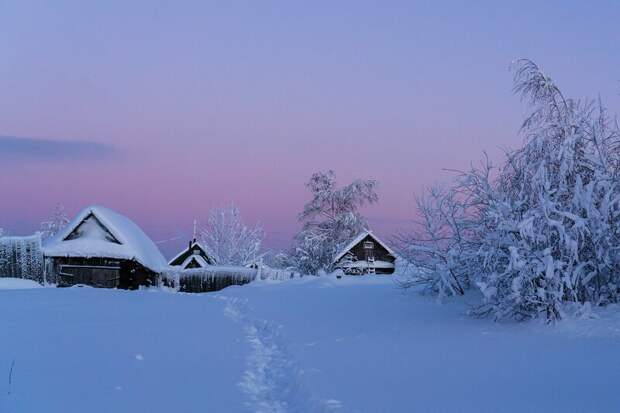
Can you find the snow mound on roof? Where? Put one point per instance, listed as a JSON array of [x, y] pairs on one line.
[[134, 243]]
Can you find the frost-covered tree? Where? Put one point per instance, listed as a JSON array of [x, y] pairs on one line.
[[55, 223], [434, 250], [553, 233], [229, 240], [330, 219], [542, 229]]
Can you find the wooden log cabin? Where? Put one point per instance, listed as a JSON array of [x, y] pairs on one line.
[[366, 254], [102, 248]]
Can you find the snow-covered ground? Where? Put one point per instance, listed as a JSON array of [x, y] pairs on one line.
[[349, 345], [17, 284]]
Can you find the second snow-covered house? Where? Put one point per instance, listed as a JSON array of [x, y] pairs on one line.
[[102, 248], [366, 254], [194, 256]]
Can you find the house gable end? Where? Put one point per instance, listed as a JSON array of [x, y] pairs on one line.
[[194, 250], [92, 228]]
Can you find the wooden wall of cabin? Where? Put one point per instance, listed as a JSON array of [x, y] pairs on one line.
[[98, 272], [380, 253]]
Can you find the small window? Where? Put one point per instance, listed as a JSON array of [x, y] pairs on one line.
[[369, 245]]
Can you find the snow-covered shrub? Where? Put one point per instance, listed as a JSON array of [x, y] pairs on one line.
[[228, 240], [434, 251], [330, 220], [542, 229]]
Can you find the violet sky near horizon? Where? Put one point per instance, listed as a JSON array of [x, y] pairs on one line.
[[163, 110]]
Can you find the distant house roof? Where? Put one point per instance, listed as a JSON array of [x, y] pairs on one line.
[[201, 262], [194, 249], [100, 232], [356, 241]]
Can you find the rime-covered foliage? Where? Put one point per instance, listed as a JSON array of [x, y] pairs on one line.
[[330, 220], [228, 240], [55, 223], [21, 257], [434, 250], [540, 230]]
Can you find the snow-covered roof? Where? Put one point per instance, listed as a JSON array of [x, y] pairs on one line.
[[187, 249], [359, 239], [198, 258], [100, 232]]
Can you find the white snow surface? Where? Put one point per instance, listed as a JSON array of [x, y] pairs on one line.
[[18, 284], [356, 344], [134, 243]]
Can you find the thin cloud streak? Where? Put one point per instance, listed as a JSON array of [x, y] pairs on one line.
[[47, 150]]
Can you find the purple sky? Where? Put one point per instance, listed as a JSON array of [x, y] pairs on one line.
[[166, 109]]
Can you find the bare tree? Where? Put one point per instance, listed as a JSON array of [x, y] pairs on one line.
[[55, 223], [229, 240]]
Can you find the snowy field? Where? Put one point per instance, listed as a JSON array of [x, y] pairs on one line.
[[315, 345]]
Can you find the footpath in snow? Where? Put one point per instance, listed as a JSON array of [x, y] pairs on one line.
[[309, 345]]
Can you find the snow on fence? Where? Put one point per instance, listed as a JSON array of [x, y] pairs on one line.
[[212, 278], [22, 257], [217, 277]]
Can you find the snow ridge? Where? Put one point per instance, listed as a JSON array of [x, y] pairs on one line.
[[273, 381]]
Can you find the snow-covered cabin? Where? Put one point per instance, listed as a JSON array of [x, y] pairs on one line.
[[102, 248], [194, 256], [366, 254]]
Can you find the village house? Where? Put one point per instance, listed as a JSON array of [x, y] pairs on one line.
[[194, 256], [102, 248], [366, 254]]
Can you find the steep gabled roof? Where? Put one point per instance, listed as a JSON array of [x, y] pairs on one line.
[[356, 241], [197, 258], [100, 232], [181, 257]]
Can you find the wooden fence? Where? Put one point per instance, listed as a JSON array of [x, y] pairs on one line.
[[212, 278]]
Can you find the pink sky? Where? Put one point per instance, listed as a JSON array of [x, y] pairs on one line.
[[206, 104]]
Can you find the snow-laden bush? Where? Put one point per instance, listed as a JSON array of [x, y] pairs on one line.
[[540, 230], [434, 251]]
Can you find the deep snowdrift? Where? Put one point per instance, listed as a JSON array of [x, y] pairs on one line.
[[303, 345]]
